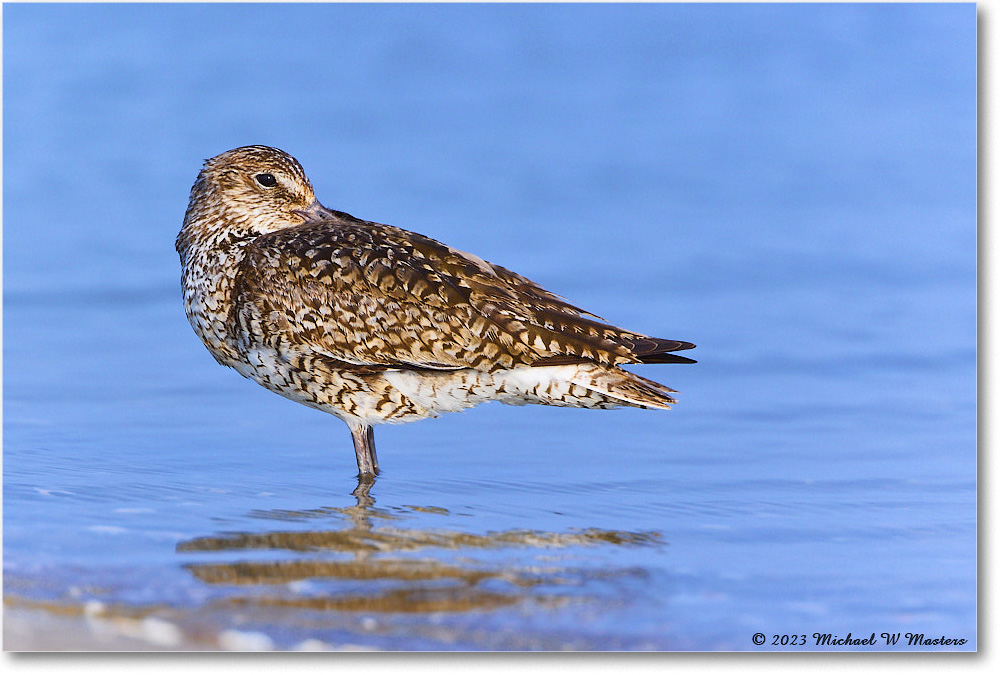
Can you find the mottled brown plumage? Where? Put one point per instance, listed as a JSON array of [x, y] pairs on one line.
[[376, 324]]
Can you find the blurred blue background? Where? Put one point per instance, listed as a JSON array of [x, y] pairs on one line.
[[791, 187]]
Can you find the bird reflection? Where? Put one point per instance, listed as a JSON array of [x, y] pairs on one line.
[[371, 564]]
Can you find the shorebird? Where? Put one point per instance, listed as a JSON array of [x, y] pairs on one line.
[[376, 324]]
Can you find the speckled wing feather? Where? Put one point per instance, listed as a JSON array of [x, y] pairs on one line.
[[371, 294]]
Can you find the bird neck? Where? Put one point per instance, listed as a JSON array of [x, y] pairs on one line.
[[210, 260]]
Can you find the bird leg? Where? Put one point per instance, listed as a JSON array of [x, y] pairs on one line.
[[364, 448]]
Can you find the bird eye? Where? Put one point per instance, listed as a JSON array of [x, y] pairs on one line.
[[266, 179]]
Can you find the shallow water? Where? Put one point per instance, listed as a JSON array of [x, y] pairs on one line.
[[790, 187]]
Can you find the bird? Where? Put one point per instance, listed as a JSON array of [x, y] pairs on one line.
[[380, 325]]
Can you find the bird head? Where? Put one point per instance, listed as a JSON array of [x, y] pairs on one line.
[[246, 192]]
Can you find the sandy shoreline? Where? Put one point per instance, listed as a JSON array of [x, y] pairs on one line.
[[28, 629], [33, 626]]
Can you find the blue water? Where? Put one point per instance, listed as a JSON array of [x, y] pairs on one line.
[[792, 188]]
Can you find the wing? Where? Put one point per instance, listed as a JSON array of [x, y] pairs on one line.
[[371, 294]]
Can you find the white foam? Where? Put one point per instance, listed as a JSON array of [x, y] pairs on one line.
[[161, 632], [242, 641], [312, 645]]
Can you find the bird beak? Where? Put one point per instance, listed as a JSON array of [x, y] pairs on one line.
[[315, 211]]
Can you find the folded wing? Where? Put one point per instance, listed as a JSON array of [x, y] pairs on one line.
[[371, 294]]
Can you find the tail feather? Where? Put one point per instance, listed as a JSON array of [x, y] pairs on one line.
[[622, 387], [666, 358], [657, 350], [646, 349]]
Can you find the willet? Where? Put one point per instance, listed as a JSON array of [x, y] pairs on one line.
[[376, 324]]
